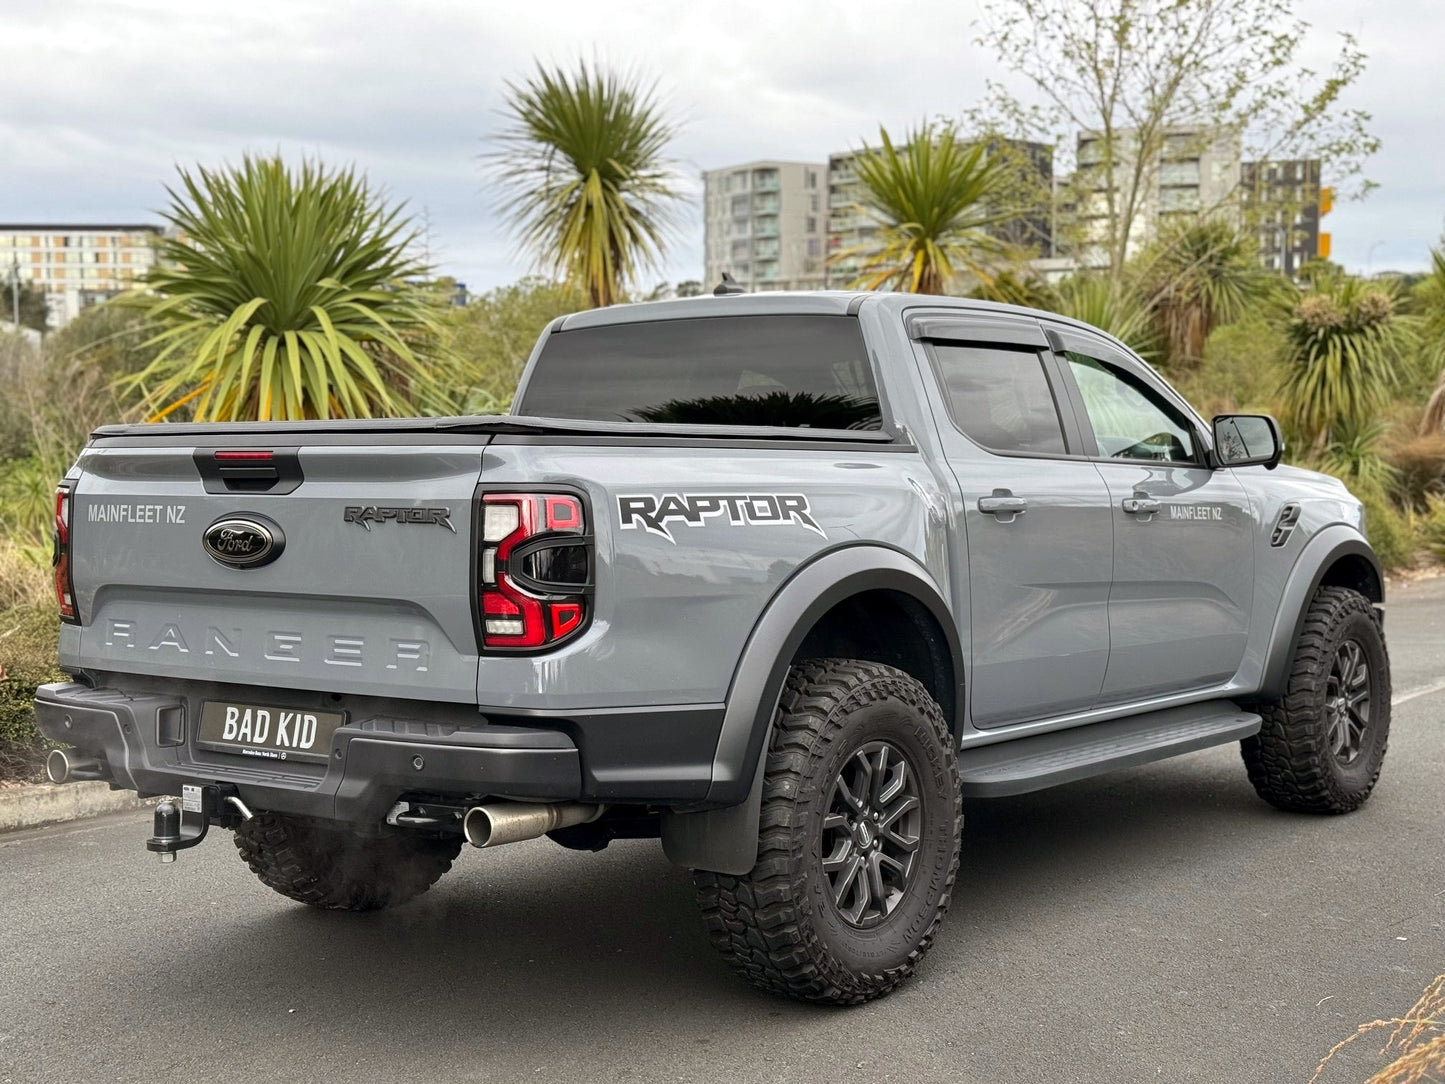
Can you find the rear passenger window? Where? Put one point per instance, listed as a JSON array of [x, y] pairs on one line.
[[999, 397]]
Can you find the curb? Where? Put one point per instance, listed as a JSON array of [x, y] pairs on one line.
[[38, 804]]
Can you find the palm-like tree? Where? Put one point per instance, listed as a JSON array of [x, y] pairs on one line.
[[1430, 298], [1110, 305], [590, 193], [281, 294], [933, 199], [1197, 277], [1346, 342]]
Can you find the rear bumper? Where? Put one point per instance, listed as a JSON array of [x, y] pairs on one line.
[[378, 757]]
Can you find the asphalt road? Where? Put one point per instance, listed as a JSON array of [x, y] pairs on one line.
[[1156, 924]]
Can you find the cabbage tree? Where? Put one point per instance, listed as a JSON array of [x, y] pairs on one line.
[[285, 293]]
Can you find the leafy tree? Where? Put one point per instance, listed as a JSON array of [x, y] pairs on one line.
[[935, 199], [493, 336], [1346, 343], [1133, 73], [34, 312], [1198, 276], [283, 294], [589, 192]]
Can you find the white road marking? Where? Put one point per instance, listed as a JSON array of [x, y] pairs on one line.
[[1415, 694]]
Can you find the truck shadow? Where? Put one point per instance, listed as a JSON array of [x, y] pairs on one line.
[[517, 943]]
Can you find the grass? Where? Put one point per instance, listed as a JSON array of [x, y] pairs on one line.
[[1416, 1044]]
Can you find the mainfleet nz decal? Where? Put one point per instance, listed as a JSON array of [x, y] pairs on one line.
[[656, 513]]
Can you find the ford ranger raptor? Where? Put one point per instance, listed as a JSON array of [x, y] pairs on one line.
[[780, 580]]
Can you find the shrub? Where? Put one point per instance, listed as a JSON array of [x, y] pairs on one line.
[[1420, 468], [29, 639], [1390, 531]]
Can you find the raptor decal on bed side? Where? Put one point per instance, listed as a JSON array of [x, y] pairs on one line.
[[654, 512]]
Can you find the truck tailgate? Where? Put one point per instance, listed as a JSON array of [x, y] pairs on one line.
[[372, 595]]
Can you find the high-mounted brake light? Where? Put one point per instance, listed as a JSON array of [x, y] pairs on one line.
[[534, 569], [64, 589]]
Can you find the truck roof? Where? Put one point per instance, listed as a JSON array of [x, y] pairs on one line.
[[784, 302]]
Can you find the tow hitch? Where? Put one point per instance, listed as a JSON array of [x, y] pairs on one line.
[[177, 829]]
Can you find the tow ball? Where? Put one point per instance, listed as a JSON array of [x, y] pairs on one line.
[[176, 829]]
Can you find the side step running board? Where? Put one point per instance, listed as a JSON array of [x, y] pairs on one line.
[[1062, 756]]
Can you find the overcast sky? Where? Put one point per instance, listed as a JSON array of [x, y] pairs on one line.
[[100, 99]]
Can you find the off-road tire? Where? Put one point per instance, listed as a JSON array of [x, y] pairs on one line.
[[1290, 761], [779, 925], [339, 870]]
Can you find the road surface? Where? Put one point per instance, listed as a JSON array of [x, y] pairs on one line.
[[1159, 924]]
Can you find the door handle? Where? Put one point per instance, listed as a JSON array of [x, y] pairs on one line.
[[1141, 506], [998, 505]]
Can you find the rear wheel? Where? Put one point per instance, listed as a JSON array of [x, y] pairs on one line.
[[859, 839], [330, 867], [1322, 744]]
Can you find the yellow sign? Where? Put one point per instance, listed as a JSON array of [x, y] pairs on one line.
[[1324, 252]]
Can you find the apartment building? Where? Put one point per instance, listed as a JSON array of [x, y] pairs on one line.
[[1283, 203], [764, 223], [1186, 171], [76, 265]]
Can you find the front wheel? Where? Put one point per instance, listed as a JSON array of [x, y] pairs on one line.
[[1322, 744], [859, 839]]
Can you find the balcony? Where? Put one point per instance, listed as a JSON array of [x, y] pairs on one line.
[[766, 227], [765, 180], [766, 205]]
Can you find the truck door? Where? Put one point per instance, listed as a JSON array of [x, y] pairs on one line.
[[1036, 515], [1183, 549]]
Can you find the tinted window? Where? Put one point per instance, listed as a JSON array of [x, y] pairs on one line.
[[1000, 398], [1130, 420], [795, 371]]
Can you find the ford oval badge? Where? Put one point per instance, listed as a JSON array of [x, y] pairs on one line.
[[244, 540]]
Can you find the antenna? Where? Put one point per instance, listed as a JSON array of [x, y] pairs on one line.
[[728, 286]]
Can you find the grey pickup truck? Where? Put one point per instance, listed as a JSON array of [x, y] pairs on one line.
[[778, 579]]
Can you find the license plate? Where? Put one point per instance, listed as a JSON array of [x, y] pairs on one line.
[[266, 731]]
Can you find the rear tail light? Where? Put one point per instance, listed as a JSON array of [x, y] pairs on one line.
[[64, 589], [534, 570]]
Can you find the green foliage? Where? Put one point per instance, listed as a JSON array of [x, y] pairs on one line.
[[1428, 297], [282, 295], [1354, 456], [1388, 529], [34, 313], [591, 195], [1419, 463], [29, 640], [27, 502], [1112, 306], [934, 200], [1198, 276], [1345, 348], [1242, 369], [1432, 527], [18, 368], [491, 339]]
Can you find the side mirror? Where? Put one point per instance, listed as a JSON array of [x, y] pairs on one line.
[[1247, 440]]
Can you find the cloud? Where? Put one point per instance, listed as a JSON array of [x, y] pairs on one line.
[[103, 98]]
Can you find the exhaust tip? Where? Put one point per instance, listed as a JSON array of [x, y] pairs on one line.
[[477, 826], [57, 766]]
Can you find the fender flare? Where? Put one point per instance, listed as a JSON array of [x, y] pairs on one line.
[[1315, 560], [725, 840]]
